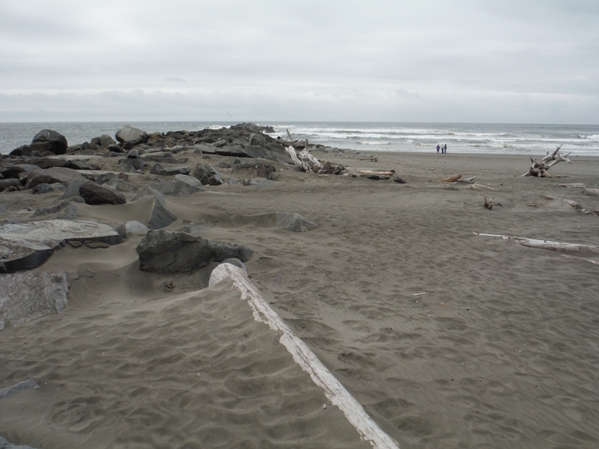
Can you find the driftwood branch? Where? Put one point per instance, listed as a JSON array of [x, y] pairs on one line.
[[541, 169], [309, 163], [591, 192], [545, 244], [489, 203], [575, 204], [452, 178]]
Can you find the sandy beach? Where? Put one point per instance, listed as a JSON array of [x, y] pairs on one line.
[[448, 339]]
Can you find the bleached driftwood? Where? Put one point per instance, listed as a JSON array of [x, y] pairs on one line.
[[471, 180], [305, 358], [575, 204], [489, 203], [581, 258], [452, 178], [545, 244], [309, 163], [591, 192], [377, 172], [541, 169]]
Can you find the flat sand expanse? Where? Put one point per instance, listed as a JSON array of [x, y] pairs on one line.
[[448, 339]]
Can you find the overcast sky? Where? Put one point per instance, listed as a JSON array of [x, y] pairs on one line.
[[506, 61]]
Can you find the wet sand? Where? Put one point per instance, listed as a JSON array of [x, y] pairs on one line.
[[448, 339]]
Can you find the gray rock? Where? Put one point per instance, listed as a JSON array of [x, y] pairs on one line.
[[294, 222], [133, 154], [160, 216], [27, 296], [178, 252], [72, 189], [207, 175], [51, 176], [48, 140], [27, 245], [64, 210], [10, 184], [189, 180], [176, 188], [254, 169], [130, 228], [193, 229], [79, 165], [131, 136], [23, 150], [13, 171], [131, 164], [13, 389], [223, 164], [49, 162], [95, 194], [42, 188], [4, 444], [158, 169], [103, 141]]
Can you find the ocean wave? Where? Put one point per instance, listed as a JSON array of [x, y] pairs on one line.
[[593, 137], [373, 143]]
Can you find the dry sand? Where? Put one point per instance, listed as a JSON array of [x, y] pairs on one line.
[[448, 339]]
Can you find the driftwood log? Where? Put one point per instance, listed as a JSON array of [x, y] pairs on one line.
[[541, 169], [546, 244]]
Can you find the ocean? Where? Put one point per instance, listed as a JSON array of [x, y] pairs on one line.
[[580, 140]]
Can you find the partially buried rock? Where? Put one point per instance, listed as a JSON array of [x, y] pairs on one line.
[[130, 228], [160, 216], [27, 296], [207, 175], [254, 169], [27, 245], [95, 194], [294, 222], [51, 176], [178, 252], [10, 184], [4, 444], [49, 140], [158, 169]]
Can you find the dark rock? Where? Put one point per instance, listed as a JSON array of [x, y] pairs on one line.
[[178, 252], [399, 180], [72, 189], [253, 128], [13, 171], [13, 389], [177, 187], [10, 184], [27, 296], [207, 175], [224, 164], [131, 136], [115, 148], [95, 194], [23, 150], [51, 176], [158, 169], [49, 140], [103, 141], [27, 245], [133, 154]]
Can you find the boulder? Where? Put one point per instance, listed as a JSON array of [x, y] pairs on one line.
[[80, 165], [48, 162], [158, 169], [41, 189], [27, 245], [207, 175], [132, 227], [23, 150], [103, 141], [72, 189], [131, 136], [177, 188], [178, 252], [10, 184], [27, 296], [254, 169], [131, 164], [49, 140], [160, 216], [13, 171], [51, 176], [65, 210], [95, 194], [189, 180]]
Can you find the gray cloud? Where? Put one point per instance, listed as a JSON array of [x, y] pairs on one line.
[[511, 61]]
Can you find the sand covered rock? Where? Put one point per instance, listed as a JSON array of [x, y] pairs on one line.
[[132, 227], [254, 169], [28, 245], [178, 252], [294, 222], [207, 175], [27, 296], [159, 169]]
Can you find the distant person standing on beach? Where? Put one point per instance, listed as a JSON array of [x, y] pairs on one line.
[[438, 147], [445, 148]]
